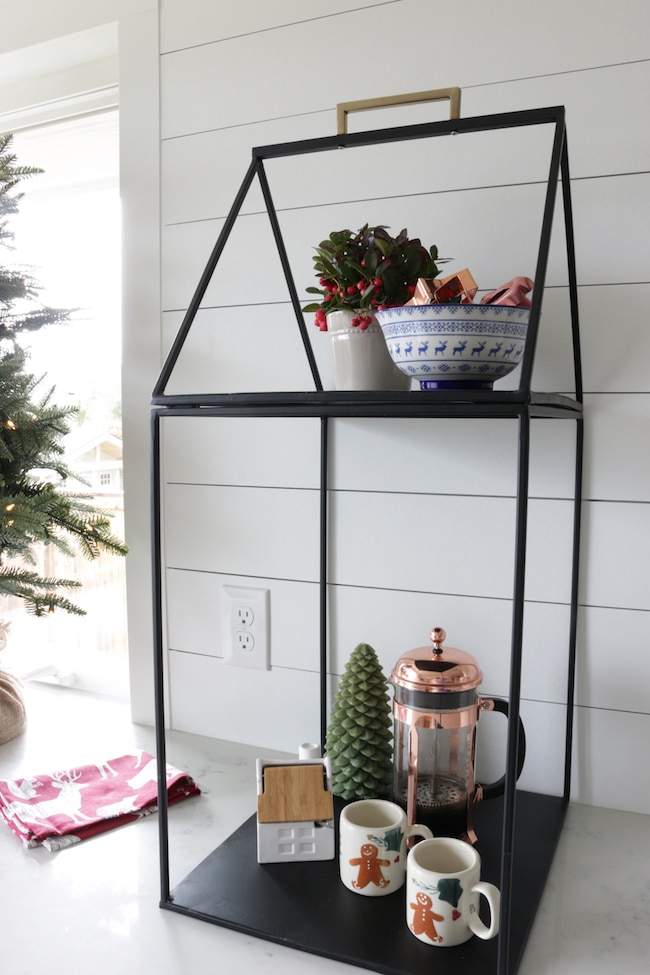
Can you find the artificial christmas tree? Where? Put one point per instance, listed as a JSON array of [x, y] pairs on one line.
[[359, 737], [35, 503]]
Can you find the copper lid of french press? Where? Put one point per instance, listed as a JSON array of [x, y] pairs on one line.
[[437, 669]]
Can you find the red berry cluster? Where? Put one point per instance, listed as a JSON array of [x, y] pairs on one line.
[[320, 320], [333, 291], [361, 321]]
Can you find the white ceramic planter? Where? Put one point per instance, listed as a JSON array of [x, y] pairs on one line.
[[361, 358]]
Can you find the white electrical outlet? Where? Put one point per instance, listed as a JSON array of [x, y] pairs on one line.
[[247, 627]]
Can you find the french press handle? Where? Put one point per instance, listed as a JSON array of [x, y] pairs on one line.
[[495, 789]]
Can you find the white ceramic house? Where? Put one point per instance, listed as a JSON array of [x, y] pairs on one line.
[[295, 812]]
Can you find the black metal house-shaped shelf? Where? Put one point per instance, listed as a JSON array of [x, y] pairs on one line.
[[519, 833]]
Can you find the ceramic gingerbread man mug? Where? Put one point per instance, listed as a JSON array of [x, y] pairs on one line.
[[372, 846], [443, 888]]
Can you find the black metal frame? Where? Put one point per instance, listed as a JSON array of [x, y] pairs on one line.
[[521, 405]]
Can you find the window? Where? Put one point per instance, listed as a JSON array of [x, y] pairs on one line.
[[68, 229]]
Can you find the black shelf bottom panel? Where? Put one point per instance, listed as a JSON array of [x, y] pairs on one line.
[[430, 403], [305, 906]]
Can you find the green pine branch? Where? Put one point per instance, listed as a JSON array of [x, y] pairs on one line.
[[41, 594]]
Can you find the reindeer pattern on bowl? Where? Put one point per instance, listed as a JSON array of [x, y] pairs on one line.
[[461, 346]]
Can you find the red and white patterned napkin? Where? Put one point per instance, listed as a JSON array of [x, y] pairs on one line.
[[59, 809]]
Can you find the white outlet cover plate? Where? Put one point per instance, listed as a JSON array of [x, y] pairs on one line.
[[258, 601]]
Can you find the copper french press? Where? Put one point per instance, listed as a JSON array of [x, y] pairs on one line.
[[436, 709]]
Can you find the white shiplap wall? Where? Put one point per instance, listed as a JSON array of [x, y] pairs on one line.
[[424, 538]]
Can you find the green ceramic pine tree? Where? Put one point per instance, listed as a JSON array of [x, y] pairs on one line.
[[359, 737]]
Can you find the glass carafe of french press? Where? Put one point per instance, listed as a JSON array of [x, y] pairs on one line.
[[436, 709]]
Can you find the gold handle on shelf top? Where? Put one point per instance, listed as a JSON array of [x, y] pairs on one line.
[[343, 109]]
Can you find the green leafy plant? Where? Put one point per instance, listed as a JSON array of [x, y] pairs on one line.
[[368, 270]]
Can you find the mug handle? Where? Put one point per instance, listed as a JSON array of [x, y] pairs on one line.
[[418, 829], [494, 789], [493, 897]]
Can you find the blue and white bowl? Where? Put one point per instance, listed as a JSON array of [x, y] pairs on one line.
[[455, 346]]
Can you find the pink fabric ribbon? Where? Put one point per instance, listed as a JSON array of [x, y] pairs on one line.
[[512, 293]]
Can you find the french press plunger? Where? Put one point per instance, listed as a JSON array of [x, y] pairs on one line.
[[436, 709]]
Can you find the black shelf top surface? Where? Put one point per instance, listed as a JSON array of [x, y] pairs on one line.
[[416, 403], [305, 906], [423, 130]]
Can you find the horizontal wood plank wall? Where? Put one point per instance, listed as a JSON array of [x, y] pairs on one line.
[[424, 539]]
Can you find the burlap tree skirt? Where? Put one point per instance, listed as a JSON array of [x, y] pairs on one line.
[[12, 708]]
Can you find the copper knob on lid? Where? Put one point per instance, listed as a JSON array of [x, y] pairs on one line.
[[438, 637]]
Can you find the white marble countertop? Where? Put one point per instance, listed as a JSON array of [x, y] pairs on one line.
[[94, 907]]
